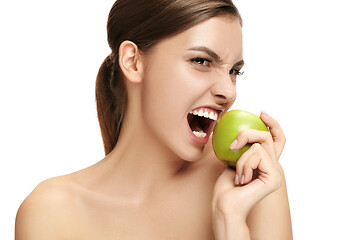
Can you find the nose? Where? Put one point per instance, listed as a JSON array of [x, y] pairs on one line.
[[224, 90]]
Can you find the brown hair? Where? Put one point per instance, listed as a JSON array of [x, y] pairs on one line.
[[144, 22]]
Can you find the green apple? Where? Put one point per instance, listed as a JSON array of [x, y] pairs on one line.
[[226, 131]]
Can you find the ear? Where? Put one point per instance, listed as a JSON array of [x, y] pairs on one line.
[[130, 61]]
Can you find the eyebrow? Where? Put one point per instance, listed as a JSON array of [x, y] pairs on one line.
[[210, 52], [214, 55], [241, 63]]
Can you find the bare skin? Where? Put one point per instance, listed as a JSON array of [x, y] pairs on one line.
[[75, 203], [158, 183]]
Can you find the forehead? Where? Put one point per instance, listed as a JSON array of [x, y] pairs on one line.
[[222, 34]]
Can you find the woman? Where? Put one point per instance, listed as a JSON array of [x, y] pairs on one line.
[[160, 178]]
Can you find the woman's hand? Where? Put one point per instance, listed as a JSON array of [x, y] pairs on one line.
[[257, 175]]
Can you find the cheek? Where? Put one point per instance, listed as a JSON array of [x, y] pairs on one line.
[[163, 99], [169, 93], [171, 87], [175, 90]]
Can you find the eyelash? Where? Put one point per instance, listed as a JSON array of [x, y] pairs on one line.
[[201, 62], [236, 72]]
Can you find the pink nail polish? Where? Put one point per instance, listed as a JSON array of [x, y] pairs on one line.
[[234, 143], [265, 113], [237, 179], [242, 179]]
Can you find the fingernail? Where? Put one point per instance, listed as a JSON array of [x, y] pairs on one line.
[[265, 113], [237, 179], [234, 143], [242, 179]]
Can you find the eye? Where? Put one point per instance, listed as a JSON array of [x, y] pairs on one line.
[[236, 72], [201, 61]]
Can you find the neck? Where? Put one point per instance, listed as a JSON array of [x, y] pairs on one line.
[[140, 160]]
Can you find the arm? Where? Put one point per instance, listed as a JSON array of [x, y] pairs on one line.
[[232, 203], [230, 227], [270, 218]]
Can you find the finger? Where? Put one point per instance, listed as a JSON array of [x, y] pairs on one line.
[[256, 157], [274, 127], [276, 132], [240, 165], [253, 162], [255, 136]]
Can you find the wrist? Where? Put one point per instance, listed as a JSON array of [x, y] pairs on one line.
[[230, 227]]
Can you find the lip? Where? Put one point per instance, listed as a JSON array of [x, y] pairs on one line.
[[216, 108], [200, 140]]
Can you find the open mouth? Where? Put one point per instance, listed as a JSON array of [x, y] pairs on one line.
[[201, 121]]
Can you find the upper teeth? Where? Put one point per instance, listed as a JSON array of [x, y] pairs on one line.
[[205, 113]]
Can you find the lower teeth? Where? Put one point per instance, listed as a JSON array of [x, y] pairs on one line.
[[199, 134]]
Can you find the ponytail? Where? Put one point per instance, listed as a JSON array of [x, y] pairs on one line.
[[111, 101]]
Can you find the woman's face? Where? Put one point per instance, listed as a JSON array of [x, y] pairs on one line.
[[189, 81]]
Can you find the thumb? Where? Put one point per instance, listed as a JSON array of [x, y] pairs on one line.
[[276, 132]]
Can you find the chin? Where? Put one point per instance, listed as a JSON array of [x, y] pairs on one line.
[[191, 153]]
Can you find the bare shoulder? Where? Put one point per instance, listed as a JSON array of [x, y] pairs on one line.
[[46, 210]]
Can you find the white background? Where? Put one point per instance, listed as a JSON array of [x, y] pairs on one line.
[[302, 68]]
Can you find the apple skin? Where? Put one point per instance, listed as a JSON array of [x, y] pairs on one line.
[[226, 131]]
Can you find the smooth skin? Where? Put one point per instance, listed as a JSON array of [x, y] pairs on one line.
[[256, 193], [158, 183]]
